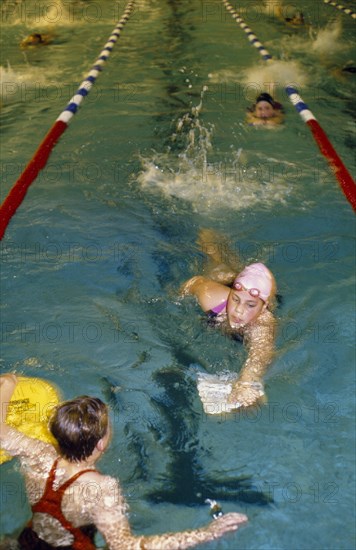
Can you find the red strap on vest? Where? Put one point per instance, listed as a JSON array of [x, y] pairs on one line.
[[51, 503]]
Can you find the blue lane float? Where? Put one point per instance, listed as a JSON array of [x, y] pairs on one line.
[[250, 35]]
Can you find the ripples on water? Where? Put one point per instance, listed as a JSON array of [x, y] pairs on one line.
[[94, 257]]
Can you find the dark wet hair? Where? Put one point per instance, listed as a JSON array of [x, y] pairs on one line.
[[266, 97], [78, 425]]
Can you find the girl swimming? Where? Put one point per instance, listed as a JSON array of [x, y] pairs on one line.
[[265, 111], [241, 304]]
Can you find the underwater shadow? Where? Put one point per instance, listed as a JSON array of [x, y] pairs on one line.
[[186, 482]]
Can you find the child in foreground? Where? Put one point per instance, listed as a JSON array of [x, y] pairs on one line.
[[241, 304], [69, 497]]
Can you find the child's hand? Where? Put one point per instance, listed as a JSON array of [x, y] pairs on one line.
[[245, 394], [226, 523]]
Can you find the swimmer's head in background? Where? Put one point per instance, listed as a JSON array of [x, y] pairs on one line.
[[266, 97], [257, 280], [269, 99], [298, 17], [32, 40], [36, 39]]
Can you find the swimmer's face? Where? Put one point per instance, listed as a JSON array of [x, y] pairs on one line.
[[264, 109], [298, 18], [242, 308]]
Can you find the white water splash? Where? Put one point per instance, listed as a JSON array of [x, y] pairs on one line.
[[215, 186], [275, 75], [328, 40], [270, 77], [20, 85], [210, 185]]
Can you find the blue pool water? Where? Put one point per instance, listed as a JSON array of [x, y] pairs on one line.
[[94, 257]]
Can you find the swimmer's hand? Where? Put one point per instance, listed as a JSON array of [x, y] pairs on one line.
[[245, 394], [226, 523]]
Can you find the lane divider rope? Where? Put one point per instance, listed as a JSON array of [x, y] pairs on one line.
[[40, 158], [341, 7], [345, 180]]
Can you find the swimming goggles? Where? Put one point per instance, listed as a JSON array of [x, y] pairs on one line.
[[254, 292]]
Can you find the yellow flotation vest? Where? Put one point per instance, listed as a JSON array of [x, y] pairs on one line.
[[30, 408]]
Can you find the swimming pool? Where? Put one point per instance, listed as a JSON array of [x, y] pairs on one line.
[[93, 259]]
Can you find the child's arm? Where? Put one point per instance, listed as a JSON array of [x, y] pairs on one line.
[[249, 386], [191, 286], [7, 387], [223, 263], [110, 518], [188, 539], [208, 293]]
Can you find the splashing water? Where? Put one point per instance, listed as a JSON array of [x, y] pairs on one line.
[[209, 185], [276, 74], [328, 39], [17, 85], [264, 77]]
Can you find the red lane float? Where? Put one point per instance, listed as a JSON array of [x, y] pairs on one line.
[[39, 160], [344, 178], [37, 163]]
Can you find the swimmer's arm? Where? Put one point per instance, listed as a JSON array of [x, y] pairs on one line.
[[261, 350], [8, 384], [247, 388], [209, 293], [223, 262], [191, 286], [115, 527], [188, 539]]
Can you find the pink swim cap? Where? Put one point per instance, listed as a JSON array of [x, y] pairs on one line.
[[255, 277]]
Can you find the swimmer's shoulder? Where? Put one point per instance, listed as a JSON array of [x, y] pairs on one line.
[[209, 293]]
